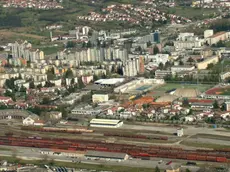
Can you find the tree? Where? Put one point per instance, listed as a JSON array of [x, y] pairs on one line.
[[39, 86], [31, 85], [46, 100], [120, 70], [145, 106], [98, 43], [220, 44], [72, 81], [63, 111], [70, 44], [167, 65], [89, 44], [161, 66], [28, 63], [10, 94], [95, 77], [149, 44], [156, 50], [23, 89], [190, 59], [50, 74], [157, 169], [80, 83], [103, 76], [83, 44], [113, 69], [181, 62], [187, 170], [20, 76], [69, 74], [215, 105], [185, 102], [210, 66], [10, 83]]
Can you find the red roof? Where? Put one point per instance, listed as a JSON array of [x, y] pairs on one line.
[[5, 98], [200, 101], [39, 121], [217, 34]]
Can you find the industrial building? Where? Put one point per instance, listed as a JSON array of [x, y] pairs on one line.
[[138, 85], [109, 82], [106, 155], [107, 123]]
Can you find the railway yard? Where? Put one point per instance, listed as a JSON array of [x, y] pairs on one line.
[[143, 143]]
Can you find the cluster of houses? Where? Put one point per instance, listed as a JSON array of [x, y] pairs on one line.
[[211, 4], [132, 14], [32, 4]]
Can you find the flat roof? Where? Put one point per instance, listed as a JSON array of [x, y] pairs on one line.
[[104, 121], [110, 81], [105, 154]]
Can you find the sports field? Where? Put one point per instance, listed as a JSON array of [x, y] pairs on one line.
[[170, 86]]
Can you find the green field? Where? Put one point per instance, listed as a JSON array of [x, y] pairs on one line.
[[202, 145], [170, 86], [192, 13]]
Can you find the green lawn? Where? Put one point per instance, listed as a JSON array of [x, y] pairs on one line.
[[169, 86]]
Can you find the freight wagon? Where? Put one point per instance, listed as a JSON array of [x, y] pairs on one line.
[[133, 150], [56, 129], [137, 136]]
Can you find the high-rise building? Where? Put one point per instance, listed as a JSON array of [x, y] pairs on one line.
[[24, 50], [156, 37], [131, 67]]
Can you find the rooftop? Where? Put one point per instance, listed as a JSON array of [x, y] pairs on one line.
[[104, 121], [110, 81], [105, 154], [217, 34]]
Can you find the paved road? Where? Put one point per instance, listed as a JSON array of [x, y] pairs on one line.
[[34, 154], [188, 130]]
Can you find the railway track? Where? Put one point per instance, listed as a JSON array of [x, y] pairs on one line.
[[220, 155]]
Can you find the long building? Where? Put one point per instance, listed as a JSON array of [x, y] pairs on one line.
[[106, 123], [106, 155], [220, 36], [95, 54]]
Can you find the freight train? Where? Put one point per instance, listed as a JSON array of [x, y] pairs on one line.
[[132, 150], [60, 130], [137, 136]]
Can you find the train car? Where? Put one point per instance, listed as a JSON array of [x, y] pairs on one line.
[[221, 159]]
